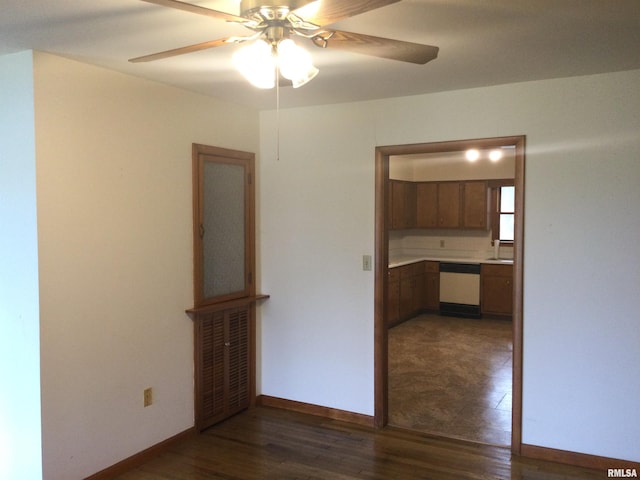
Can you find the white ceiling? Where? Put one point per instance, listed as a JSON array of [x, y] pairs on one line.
[[482, 42]]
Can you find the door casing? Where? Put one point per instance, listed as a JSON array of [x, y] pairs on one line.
[[382, 155]]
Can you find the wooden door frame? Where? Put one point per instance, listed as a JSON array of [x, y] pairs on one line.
[[382, 154]]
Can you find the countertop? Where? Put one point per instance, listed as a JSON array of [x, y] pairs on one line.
[[406, 260]]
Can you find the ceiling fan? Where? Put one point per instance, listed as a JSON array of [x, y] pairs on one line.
[[274, 22]]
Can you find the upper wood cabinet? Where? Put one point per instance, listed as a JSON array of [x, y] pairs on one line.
[[427, 205], [475, 211], [403, 204], [446, 205], [449, 198]]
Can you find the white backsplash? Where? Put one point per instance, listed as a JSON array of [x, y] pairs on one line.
[[457, 244]]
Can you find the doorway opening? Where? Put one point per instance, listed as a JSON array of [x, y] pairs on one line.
[[382, 232]]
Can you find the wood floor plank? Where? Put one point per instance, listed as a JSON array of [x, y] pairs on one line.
[[267, 443]]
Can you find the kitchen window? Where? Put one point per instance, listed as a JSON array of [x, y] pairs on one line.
[[503, 211]]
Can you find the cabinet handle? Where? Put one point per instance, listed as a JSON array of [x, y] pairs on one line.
[[227, 344]]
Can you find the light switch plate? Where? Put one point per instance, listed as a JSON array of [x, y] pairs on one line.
[[366, 262]]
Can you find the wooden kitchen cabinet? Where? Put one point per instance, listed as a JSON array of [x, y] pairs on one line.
[[403, 204], [411, 282], [393, 297], [449, 201], [447, 205], [412, 289], [475, 211], [496, 285], [431, 300], [427, 205]]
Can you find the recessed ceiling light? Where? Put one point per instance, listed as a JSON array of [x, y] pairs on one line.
[[472, 154], [495, 155]]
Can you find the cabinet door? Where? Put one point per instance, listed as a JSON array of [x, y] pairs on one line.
[[418, 292], [427, 205], [432, 286], [210, 371], [403, 204], [393, 297], [406, 297], [449, 204], [497, 289], [474, 209], [222, 341], [237, 362]]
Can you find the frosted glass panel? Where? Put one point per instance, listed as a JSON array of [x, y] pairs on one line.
[[224, 229]]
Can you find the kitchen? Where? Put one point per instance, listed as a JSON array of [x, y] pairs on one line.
[[450, 292]]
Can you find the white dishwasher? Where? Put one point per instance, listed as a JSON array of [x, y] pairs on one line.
[[460, 289]]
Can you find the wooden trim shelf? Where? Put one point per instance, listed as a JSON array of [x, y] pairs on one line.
[[238, 302]]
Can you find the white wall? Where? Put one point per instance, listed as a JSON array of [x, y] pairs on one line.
[[20, 445], [114, 229], [581, 363], [316, 206]]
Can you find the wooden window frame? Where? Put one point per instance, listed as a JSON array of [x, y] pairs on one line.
[[494, 188], [200, 155]]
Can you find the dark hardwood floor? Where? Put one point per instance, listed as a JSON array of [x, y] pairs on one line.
[[267, 443]]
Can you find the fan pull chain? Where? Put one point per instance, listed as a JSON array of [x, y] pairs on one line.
[[277, 112]]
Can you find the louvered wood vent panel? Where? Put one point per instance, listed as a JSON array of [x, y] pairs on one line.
[[238, 359], [223, 340], [212, 365]]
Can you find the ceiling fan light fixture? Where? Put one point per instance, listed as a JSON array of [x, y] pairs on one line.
[[257, 63], [295, 63]]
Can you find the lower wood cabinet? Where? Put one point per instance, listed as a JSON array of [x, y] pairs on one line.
[[412, 289], [496, 285], [431, 299], [411, 286], [223, 370], [393, 297]]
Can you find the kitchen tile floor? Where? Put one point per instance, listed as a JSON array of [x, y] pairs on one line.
[[452, 376]]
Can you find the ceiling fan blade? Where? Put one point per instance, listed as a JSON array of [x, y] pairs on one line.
[[330, 11], [376, 46], [182, 50], [187, 7]]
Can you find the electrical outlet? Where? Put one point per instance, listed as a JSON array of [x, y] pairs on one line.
[[441, 243], [366, 262], [148, 396]]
